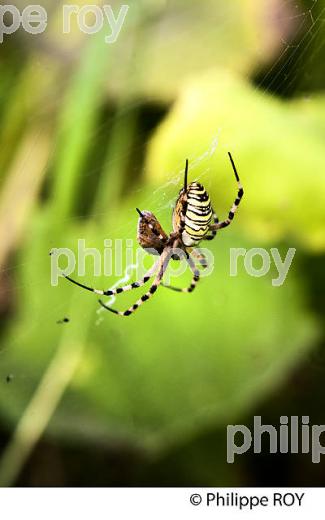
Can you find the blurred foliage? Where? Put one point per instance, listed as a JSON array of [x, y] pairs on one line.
[[298, 67], [278, 146], [74, 136], [205, 373], [177, 40]]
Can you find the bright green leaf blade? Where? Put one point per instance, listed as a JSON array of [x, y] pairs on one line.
[[278, 148]]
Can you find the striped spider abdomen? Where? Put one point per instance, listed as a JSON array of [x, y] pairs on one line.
[[192, 214], [192, 218]]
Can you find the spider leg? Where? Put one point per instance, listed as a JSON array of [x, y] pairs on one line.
[[163, 262], [235, 205], [195, 279], [199, 257], [211, 228], [118, 290]]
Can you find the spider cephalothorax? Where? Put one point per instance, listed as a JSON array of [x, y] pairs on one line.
[[192, 222], [151, 235]]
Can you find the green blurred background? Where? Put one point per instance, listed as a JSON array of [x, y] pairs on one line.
[[89, 131]]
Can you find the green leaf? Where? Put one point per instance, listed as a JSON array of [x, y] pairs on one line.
[[277, 147], [180, 363], [178, 40]]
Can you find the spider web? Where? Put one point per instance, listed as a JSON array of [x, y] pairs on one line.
[[305, 26]]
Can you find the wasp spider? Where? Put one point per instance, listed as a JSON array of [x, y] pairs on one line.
[[193, 220]]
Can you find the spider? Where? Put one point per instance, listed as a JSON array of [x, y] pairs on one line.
[[192, 222]]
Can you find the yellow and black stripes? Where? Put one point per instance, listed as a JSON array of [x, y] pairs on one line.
[[192, 218], [198, 214], [212, 232]]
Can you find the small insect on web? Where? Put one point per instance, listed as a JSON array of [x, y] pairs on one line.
[[194, 219]]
